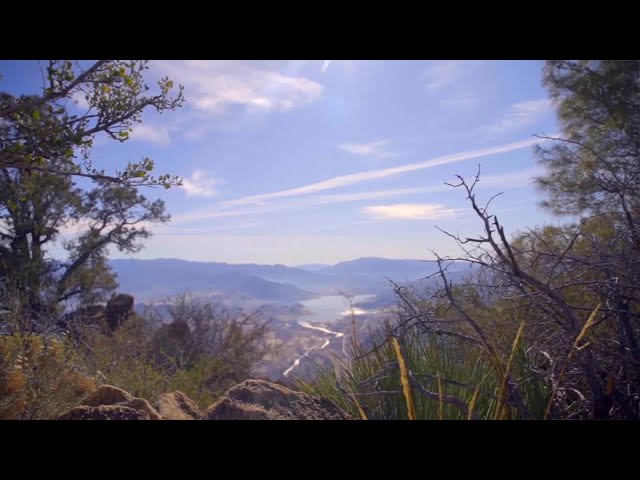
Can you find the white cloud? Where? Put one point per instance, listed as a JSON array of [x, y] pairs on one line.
[[355, 178], [519, 115], [214, 212], [325, 65], [409, 211], [373, 149], [200, 185], [442, 74], [356, 197], [503, 181], [151, 133], [259, 204], [212, 86]]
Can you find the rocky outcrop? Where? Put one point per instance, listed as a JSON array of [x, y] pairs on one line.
[[261, 400], [106, 395], [105, 412], [111, 403], [249, 400], [141, 405], [118, 310], [177, 406]]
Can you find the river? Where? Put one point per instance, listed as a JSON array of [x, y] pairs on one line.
[[326, 309]]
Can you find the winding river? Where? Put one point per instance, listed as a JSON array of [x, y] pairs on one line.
[[324, 309]]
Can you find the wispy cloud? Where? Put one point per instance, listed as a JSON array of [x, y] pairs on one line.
[[210, 213], [371, 195], [501, 181], [325, 65], [151, 133], [200, 184], [442, 74], [355, 178], [409, 211], [372, 149], [215, 85], [446, 80], [519, 115]]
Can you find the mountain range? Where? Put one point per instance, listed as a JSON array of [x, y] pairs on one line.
[[158, 278]]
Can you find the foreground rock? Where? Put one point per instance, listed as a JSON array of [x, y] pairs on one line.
[[112, 403], [105, 412], [177, 406], [249, 400], [261, 400], [106, 395]]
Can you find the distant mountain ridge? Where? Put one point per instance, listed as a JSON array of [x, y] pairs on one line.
[[147, 279], [167, 276]]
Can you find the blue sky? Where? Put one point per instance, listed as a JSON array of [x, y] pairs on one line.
[[322, 161]]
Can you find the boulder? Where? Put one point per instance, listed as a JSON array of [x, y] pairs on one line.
[[118, 310], [104, 412], [177, 406], [262, 400], [106, 395], [112, 403], [114, 313], [142, 405]]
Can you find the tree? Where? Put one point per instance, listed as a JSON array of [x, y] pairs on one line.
[[114, 96], [593, 171], [201, 336], [595, 166], [37, 206], [43, 150]]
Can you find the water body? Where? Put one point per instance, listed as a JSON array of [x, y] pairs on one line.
[[325, 344], [332, 307], [326, 309]]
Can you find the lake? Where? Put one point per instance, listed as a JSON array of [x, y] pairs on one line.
[[332, 307]]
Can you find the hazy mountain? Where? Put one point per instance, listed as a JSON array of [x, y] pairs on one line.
[[147, 279], [313, 267], [397, 270]]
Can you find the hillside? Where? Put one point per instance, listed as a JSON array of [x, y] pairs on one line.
[[153, 279], [147, 279]]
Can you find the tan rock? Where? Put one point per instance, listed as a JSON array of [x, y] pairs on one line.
[[104, 412], [106, 395], [262, 400], [141, 404], [177, 406]]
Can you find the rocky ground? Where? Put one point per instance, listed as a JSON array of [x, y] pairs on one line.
[[249, 400]]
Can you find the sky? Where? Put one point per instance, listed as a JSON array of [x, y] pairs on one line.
[[322, 161]]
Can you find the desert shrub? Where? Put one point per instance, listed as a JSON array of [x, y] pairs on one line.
[[123, 359], [39, 377], [443, 382], [206, 348], [448, 373], [202, 351]]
